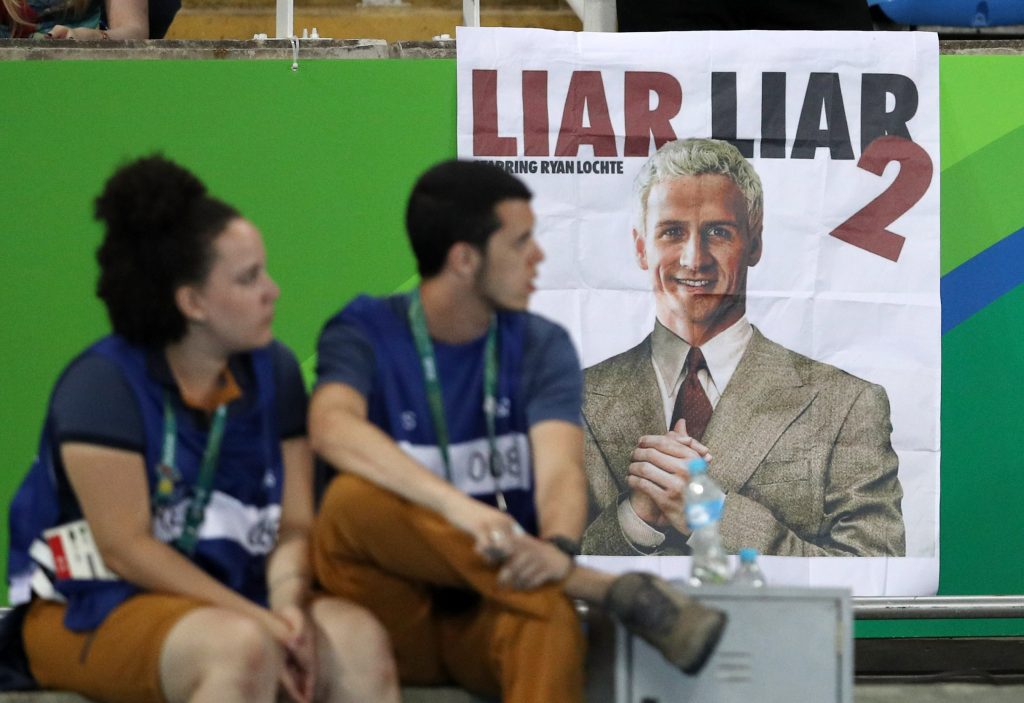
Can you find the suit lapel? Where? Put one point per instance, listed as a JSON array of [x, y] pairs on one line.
[[620, 408], [764, 396]]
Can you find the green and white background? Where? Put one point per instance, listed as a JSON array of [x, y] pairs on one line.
[[322, 160]]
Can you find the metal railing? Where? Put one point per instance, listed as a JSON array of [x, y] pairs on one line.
[[597, 15], [938, 607]]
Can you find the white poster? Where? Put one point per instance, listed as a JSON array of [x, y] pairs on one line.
[[769, 200]]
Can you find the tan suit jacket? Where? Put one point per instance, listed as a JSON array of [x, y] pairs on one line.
[[801, 449]]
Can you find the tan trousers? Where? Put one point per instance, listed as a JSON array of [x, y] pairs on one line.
[[118, 662], [376, 549]]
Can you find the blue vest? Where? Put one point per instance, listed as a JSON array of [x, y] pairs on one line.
[[241, 520], [398, 403]]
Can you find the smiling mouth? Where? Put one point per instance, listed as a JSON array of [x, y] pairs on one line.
[[696, 283]]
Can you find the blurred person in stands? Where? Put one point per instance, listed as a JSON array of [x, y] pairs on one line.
[[84, 20], [160, 539], [666, 15], [161, 15]]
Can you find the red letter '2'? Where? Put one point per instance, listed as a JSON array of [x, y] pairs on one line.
[[866, 229]]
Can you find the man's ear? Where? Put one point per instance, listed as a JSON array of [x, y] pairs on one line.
[[640, 247], [189, 302], [754, 251], [463, 259]]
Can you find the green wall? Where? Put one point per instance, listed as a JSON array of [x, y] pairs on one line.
[[322, 159]]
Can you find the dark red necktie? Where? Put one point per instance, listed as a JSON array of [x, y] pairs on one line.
[[692, 402]]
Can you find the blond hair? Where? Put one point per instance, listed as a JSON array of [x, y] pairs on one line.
[[697, 157], [14, 9]]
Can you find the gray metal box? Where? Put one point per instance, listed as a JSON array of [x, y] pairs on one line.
[[781, 644]]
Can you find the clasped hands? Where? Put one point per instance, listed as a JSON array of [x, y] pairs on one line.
[[295, 632], [658, 477], [525, 561]]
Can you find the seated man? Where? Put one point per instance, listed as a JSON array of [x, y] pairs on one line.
[[454, 416]]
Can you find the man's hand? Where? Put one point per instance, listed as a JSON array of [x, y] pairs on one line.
[[493, 531], [658, 476], [645, 507], [533, 563]]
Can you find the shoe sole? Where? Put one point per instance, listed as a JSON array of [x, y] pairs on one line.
[[709, 646]]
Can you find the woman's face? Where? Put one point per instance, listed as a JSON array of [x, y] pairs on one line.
[[236, 301]]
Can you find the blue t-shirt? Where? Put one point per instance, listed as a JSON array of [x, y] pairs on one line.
[[116, 394], [552, 381], [93, 402], [369, 347]]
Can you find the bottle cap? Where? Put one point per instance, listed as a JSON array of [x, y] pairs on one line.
[[697, 466], [748, 555]]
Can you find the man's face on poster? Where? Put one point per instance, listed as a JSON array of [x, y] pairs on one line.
[[697, 244]]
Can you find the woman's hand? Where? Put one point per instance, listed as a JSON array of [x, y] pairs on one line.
[[299, 676]]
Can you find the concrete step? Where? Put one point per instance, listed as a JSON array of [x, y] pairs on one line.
[[241, 19]]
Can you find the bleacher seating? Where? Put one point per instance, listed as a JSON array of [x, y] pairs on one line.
[[953, 13], [409, 20]]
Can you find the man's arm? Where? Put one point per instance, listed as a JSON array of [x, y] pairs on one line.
[[552, 389], [560, 494], [862, 514], [603, 534], [341, 433], [561, 490]]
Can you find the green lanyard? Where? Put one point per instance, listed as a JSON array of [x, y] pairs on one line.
[[418, 324], [186, 542]]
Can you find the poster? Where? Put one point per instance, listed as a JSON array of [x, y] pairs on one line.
[[838, 277]]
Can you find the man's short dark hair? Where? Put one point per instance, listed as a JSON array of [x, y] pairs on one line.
[[453, 202]]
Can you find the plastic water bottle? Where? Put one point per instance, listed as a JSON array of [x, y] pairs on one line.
[[704, 503], [748, 573]]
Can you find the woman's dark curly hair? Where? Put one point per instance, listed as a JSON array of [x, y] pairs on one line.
[[160, 229]]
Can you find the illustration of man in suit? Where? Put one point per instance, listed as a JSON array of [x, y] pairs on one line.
[[801, 449]]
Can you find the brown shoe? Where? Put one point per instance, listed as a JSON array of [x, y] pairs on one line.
[[683, 630]]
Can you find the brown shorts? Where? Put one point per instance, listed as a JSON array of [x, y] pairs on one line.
[[117, 662]]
